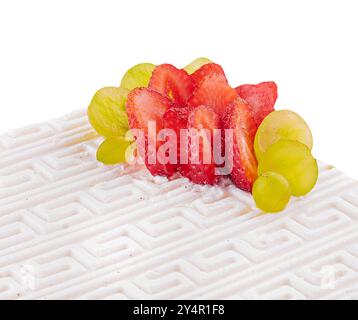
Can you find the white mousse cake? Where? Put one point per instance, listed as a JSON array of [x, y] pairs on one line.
[[72, 228]]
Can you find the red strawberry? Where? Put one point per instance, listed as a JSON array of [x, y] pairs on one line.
[[176, 118], [213, 92], [261, 97], [239, 118], [207, 70], [201, 168], [145, 105], [173, 83]]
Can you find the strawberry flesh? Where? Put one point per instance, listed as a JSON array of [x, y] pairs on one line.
[[201, 169], [204, 100], [176, 118], [244, 164], [176, 84], [145, 105], [261, 97], [213, 92], [207, 70]]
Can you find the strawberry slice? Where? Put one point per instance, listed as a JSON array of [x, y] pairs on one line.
[[173, 83], [145, 105], [201, 166], [261, 97], [244, 166], [213, 92], [176, 118], [207, 70]]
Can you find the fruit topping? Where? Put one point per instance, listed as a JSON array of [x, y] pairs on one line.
[[196, 64], [176, 118], [294, 161], [201, 166], [207, 70], [145, 105], [261, 97], [213, 92], [193, 122], [113, 150], [173, 83], [271, 192], [283, 124], [146, 108], [239, 118], [106, 112], [137, 76]]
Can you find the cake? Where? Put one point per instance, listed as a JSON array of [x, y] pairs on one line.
[[72, 228]]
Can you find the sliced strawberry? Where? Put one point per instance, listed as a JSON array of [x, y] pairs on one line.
[[144, 105], [244, 164], [176, 118], [207, 70], [213, 92], [201, 167], [173, 83], [261, 97]]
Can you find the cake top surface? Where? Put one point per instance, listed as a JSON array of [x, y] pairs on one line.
[[73, 228]]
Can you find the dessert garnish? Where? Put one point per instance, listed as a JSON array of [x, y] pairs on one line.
[[192, 122]]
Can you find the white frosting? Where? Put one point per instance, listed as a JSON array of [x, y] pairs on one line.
[[73, 228]]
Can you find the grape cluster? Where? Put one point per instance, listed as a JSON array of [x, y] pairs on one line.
[[283, 144]]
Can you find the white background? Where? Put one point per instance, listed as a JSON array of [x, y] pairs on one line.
[[55, 54]]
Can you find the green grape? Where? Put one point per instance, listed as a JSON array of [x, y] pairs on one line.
[[196, 64], [271, 192], [283, 124], [294, 161], [107, 113], [137, 76], [113, 150]]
